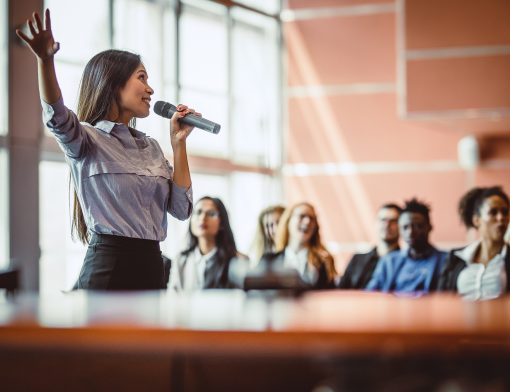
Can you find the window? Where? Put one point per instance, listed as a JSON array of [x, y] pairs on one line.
[[203, 67], [255, 96], [77, 45], [147, 28], [61, 257]]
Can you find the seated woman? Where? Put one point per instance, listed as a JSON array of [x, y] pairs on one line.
[[205, 263], [266, 232], [481, 269], [299, 247]]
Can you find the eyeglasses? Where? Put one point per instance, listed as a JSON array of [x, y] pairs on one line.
[[208, 213]]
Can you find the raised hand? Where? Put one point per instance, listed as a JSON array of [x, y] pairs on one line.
[[41, 43]]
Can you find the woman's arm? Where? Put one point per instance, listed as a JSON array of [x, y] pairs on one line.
[[178, 135], [44, 48]]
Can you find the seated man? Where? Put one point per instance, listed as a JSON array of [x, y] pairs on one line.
[[417, 268], [362, 265]]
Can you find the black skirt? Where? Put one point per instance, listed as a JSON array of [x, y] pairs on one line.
[[121, 263]]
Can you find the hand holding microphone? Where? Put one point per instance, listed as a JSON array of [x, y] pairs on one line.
[[165, 109]]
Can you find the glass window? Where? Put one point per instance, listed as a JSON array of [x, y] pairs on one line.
[[203, 68], [255, 89], [77, 45], [4, 216], [61, 257], [79, 41], [4, 55], [251, 192], [268, 6], [146, 38]]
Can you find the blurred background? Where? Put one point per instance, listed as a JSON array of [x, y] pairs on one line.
[[346, 104]]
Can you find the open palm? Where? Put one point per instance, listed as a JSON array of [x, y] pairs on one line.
[[41, 43]]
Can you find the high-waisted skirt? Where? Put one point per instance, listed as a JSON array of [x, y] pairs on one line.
[[121, 263]]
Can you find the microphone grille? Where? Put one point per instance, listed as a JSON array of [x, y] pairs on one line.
[[159, 107]]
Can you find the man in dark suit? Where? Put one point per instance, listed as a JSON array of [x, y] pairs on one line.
[[362, 265]]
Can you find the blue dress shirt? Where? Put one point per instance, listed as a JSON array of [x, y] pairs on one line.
[[398, 271]]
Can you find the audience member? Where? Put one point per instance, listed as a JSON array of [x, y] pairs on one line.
[[362, 265], [264, 241], [299, 247], [417, 268], [205, 263], [481, 269]]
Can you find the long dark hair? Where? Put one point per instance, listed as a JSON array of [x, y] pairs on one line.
[[225, 242], [104, 75]]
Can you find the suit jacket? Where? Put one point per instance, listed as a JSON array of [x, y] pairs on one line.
[[453, 267], [359, 270]]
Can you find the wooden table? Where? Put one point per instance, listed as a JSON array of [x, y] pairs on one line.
[[217, 340]]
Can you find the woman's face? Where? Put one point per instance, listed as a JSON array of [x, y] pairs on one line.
[[205, 220], [492, 220], [135, 96], [302, 224], [270, 223]]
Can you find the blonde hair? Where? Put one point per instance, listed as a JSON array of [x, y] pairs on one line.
[[318, 255], [261, 243]]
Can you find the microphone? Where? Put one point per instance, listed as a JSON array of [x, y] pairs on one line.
[[165, 109]]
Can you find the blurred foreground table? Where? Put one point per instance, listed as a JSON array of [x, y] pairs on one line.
[[230, 340]]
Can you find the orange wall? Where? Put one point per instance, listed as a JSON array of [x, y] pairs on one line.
[[379, 94]]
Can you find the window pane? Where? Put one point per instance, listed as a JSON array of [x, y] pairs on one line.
[[77, 49], [203, 50], [214, 108], [145, 37], [267, 6], [78, 43], [255, 88], [251, 192], [61, 258], [4, 218], [4, 55]]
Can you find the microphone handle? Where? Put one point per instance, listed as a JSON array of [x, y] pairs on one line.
[[201, 123]]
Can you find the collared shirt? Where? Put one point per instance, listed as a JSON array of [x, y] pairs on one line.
[[398, 271], [123, 181], [189, 271], [478, 281], [299, 261]]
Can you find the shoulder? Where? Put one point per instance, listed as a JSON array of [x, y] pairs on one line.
[[363, 256]]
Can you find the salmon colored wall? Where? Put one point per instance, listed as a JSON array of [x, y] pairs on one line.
[[376, 109], [458, 83]]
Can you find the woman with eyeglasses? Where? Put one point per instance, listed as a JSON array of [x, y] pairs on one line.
[[205, 263]]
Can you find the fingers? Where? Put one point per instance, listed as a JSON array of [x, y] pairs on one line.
[[23, 36], [38, 21], [47, 19], [185, 110], [31, 28]]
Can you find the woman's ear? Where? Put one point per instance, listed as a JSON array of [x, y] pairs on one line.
[[476, 221]]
